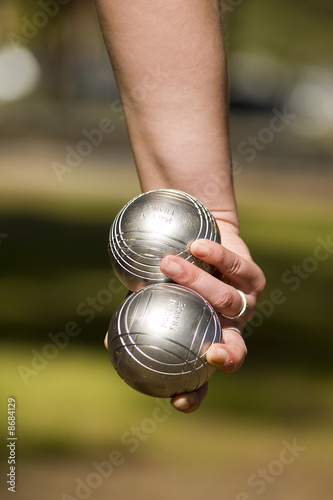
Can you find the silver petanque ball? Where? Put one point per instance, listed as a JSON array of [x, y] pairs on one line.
[[158, 339], [153, 225]]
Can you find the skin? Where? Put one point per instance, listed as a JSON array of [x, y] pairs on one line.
[[170, 65]]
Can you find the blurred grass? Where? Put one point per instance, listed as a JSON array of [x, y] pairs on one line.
[[77, 403], [56, 260]]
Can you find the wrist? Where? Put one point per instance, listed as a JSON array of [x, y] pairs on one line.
[[184, 158]]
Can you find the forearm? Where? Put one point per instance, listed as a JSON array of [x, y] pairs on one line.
[[169, 62]]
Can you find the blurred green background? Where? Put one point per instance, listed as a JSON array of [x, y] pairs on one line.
[[81, 432]]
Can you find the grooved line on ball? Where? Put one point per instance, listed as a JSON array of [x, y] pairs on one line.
[[168, 240], [137, 299], [140, 268], [156, 276], [191, 370], [140, 272], [205, 365], [135, 344], [110, 340], [178, 344]]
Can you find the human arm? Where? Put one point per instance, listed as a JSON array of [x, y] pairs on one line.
[[170, 65]]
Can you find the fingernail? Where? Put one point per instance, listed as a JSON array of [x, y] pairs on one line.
[[171, 267], [219, 355], [200, 249], [181, 404]]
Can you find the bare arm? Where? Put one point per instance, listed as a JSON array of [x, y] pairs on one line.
[[170, 65]]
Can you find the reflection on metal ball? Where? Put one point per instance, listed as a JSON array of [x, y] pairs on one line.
[[153, 225], [158, 339]]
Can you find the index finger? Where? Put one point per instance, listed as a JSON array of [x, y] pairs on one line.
[[243, 273]]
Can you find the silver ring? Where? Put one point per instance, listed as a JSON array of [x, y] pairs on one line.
[[244, 307]]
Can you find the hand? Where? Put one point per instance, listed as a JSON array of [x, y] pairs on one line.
[[235, 270]]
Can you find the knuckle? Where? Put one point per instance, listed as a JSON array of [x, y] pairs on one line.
[[251, 313], [224, 301], [190, 276], [235, 265], [261, 283]]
